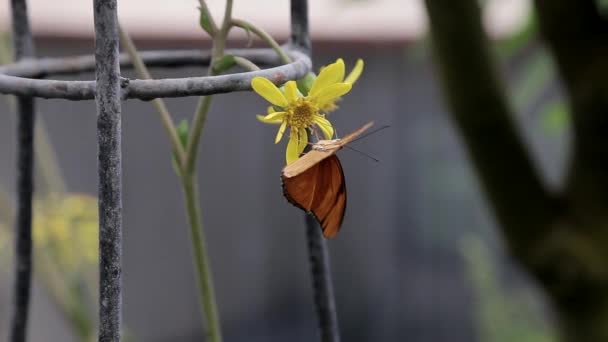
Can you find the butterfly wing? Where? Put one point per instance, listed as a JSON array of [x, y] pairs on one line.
[[305, 162], [315, 156], [320, 190]]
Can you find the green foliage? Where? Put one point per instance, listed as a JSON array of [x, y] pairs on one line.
[[533, 79], [519, 40], [502, 315], [205, 21], [182, 132], [555, 117], [603, 5], [305, 83], [224, 63], [535, 75]]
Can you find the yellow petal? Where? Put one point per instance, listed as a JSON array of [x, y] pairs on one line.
[[280, 132], [272, 118], [302, 140], [269, 91], [291, 91], [355, 73], [325, 126], [270, 110], [331, 93], [331, 74], [292, 154]]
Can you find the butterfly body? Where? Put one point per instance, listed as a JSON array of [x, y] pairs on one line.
[[315, 183], [327, 145]]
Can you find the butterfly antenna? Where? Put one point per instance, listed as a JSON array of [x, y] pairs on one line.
[[370, 133], [362, 153]]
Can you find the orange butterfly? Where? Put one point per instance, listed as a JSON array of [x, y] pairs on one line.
[[315, 182]]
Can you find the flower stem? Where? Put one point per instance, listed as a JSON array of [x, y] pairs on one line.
[[201, 260], [198, 123], [245, 63], [49, 170], [159, 104], [200, 116], [264, 36]]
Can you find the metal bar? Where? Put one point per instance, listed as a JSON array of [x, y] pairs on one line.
[[150, 89], [110, 172], [43, 67], [300, 36], [322, 284], [24, 48]]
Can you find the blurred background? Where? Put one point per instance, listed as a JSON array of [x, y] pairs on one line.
[[419, 257]]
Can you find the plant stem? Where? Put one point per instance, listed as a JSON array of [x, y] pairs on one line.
[[198, 123], [227, 17], [64, 296], [187, 175], [245, 63], [201, 259], [264, 36], [200, 116], [49, 171], [159, 104]]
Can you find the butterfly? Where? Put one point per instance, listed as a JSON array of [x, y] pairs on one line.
[[315, 182]]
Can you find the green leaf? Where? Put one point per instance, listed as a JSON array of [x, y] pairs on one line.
[[205, 21], [182, 132], [224, 64], [305, 83], [536, 75]]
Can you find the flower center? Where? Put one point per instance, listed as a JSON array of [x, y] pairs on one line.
[[300, 114]]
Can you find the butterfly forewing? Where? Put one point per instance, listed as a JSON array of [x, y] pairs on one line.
[[315, 156]]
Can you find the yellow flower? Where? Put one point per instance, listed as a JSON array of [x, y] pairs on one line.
[[350, 79], [300, 112]]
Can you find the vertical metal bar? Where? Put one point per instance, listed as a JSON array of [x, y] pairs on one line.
[[323, 291], [322, 285], [299, 25], [109, 169], [24, 47]]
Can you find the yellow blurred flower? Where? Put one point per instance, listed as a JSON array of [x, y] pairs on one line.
[[66, 228], [302, 112]]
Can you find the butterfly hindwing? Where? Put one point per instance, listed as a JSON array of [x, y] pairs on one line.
[[299, 190], [331, 203], [321, 191]]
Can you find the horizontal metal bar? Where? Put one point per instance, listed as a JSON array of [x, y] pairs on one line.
[[12, 80], [43, 67]]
